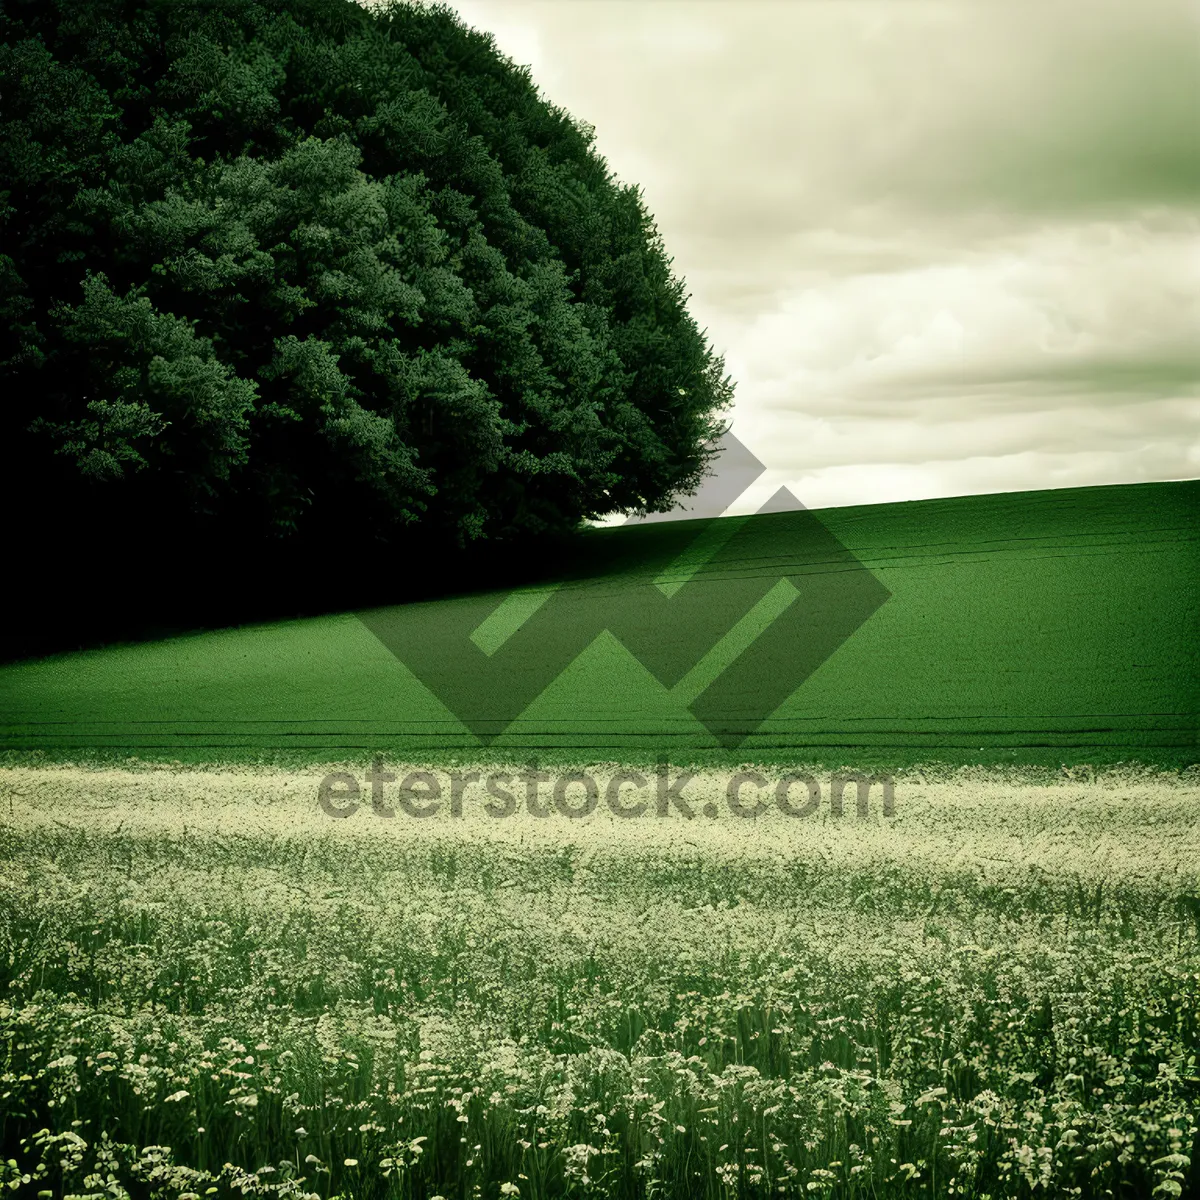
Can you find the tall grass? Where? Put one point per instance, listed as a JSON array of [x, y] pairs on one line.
[[210, 988]]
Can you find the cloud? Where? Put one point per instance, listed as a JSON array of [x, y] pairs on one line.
[[813, 109], [943, 247]]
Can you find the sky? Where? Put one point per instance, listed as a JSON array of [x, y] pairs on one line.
[[944, 247]]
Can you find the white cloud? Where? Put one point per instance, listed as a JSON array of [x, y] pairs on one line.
[[944, 247]]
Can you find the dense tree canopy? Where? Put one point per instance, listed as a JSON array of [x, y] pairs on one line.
[[325, 276]]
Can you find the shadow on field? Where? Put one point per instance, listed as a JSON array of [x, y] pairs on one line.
[[87, 593]]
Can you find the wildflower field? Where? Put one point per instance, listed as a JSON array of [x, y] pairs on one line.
[[211, 987]]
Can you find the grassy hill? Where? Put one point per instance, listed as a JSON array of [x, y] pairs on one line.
[[1023, 628]]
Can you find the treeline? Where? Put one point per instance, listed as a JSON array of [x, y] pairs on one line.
[[294, 290]]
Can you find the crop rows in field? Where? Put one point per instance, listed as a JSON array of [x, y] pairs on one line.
[[1028, 628]]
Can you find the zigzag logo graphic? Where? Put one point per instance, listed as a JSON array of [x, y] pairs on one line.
[[733, 625]]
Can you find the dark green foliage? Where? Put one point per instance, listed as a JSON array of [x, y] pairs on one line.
[[321, 277]]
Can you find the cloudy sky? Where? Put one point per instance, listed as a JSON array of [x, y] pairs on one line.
[[945, 247]]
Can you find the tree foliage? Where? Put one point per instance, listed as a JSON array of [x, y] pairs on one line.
[[323, 274]]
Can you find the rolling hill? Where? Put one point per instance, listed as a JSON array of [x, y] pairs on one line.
[[1047, 627]]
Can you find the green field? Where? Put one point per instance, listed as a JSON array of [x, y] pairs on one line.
[[224, 972], [210, 987], [1031, 628]]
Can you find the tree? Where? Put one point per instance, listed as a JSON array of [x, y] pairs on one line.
[[323, 276]]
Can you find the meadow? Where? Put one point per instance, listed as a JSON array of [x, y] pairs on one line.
[[212, 987], [209, 987]]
